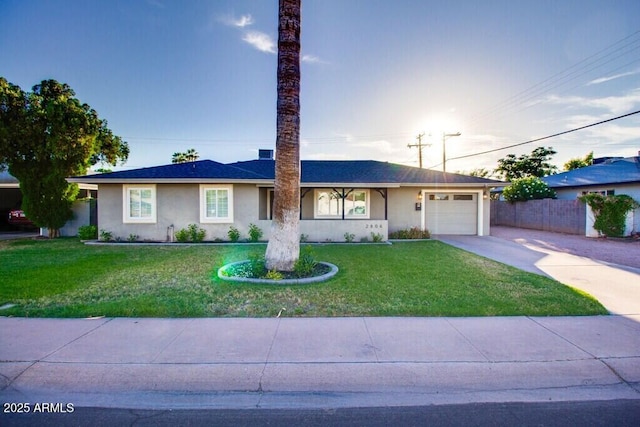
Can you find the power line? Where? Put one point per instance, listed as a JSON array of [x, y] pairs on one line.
[[245, 141], [546, 137], [622, 48]]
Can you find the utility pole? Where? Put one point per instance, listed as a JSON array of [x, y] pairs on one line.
[[419, 145], [444, 152]]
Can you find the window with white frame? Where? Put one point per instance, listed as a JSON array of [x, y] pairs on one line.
[[329, 204], [139, 203], [216, 203]]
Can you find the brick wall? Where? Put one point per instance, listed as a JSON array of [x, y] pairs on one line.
[[563, 216]]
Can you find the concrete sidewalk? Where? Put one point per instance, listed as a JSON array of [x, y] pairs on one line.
[[317, 362]]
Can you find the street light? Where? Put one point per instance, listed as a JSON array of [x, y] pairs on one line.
[[444, 153]]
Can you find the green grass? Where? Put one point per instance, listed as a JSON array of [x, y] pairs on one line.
[[64, 278]]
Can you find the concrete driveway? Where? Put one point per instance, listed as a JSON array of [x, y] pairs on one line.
[[569, 259], [617, 251], [12, 235]]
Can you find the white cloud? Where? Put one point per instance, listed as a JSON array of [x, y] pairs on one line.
[[312, 59], [615, 76], [614, 104], [232, 21], [261, 41], [610, 133]]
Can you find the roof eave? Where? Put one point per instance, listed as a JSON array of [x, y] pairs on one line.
[[592, 184], [270, 182]]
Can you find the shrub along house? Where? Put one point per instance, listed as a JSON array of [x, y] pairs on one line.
[[337, 198]]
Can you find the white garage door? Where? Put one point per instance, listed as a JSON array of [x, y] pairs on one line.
[[451, 213]]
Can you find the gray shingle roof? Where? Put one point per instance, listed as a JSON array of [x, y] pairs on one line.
[[616, 172], [202, 169], [364, 171], [312, 172]]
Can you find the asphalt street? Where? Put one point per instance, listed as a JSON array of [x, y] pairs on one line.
[[610, 413]]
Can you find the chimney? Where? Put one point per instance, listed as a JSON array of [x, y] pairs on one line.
[[265, 154]]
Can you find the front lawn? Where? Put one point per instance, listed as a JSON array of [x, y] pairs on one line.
[[65, 278]]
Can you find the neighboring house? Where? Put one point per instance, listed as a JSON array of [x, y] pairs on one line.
[[11, 198], [337, 197], [609, 176]]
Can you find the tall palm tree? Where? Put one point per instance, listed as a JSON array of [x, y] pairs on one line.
[[283, 249], [191, 155], [178, 158]]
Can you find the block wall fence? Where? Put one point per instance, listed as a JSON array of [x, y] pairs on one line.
[[562, 216]]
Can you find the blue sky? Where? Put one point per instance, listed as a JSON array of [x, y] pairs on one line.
[[173, 75]]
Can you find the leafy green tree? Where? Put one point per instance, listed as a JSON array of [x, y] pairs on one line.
[[534, 164], [529, 188], [191, 155], [481, 173], [578, 162], [46, 136]]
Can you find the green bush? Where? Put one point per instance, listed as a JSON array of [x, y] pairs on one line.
[[196, 233], [106, 236], [530, 188], [255, 232], [274, 275], [182, 235], [411, 233], [192, 233], [306, 263], [376, 237], [88, 232], [348, 237], [610, 212], [234, 234], [256, 266]]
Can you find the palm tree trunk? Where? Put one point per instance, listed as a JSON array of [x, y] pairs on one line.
[[283, 249]]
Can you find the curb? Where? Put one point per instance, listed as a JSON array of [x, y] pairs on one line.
[[302, 281]]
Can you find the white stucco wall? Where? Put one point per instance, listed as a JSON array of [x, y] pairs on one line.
[[402, 213], [178, 205]]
